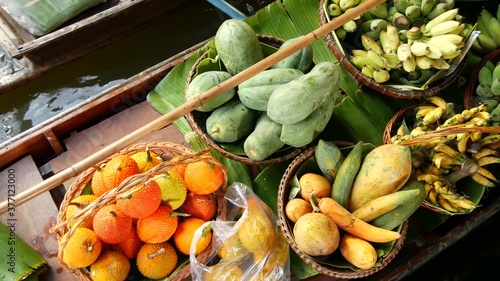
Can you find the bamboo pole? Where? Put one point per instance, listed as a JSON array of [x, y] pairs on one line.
[[185, 108]]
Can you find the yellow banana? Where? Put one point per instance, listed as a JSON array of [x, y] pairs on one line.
[[428, 188], [490, 139], [432, 196], [462, 203], [443, 28], [423, 110], [370, 44], [443, 161], [428, 178], [419, 48], [486, 173], [438, 101], [376, 60], [462, 144], [446, 149], [444, 203], [433, 116], [446, 16], [454, 120], [433, 170], [482, 180], [424, 62], [485, 151], [487, 160], [476, 136], [439, 63]]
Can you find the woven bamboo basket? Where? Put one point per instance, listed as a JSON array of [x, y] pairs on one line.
[[392, 91], [197, 121], [409, 112], [287, 227], [472, 82], [166, 151]]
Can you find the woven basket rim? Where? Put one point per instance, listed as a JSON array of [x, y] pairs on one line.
[[470, 86], [165, 149], [195, 117], [391, 91], [321, 268]]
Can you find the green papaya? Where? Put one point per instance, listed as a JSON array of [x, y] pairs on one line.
[[231, 122], [301, 60], [294, 101], [255, 92], [264, 140], [206, 81], [304, 132], [329, 158], [237, 45]]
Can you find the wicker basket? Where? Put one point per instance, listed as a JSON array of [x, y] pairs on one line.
[[166, 151], [395, 92], [470, 86], [287, 227], [197, 121]]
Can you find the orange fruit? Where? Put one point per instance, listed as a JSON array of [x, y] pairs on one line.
[[131, 245], [114, 172], [311, 183], [110, 266], [110, 225], [184, 234], [156, 261], [203, 178], [203, 206], [146, 159], [140, 203], [173, 189], [179, 168], [82, 249], [157, 227], [76, 205]]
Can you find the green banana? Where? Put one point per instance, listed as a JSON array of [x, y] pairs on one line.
[[484, 91], [400, 21], [368, 70], [370, 44], [496, 70], [374, 24], [380, 11], [484, 20], [426, 7], [329, 158], [376, 60], [340, 33], [381, 75], [498, 12], [346, 4], [439, 9], [486, 42], [494, 27], [485, 76], [341, 188], [334, 10], [495, 114], [413, 13], [350, 26], [397, 216], [495, 87], [490, 103], [401, 5]]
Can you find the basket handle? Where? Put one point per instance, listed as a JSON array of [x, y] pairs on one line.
[[188, 106]]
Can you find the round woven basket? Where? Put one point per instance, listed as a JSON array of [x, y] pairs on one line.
[[197, 121], [395, 92], [287, 227], [471, 85], [166, 151]]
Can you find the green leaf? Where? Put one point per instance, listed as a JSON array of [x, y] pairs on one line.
[[266, 184]]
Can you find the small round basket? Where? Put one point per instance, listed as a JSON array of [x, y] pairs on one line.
[[326, 267], [400, 92], [472, 82], [197, 121], [474, 193], [167, 151]]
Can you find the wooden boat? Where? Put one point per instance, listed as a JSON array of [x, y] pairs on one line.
[[94, 28], [60, 142]]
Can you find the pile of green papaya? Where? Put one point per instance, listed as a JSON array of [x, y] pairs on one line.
[[288, 104]]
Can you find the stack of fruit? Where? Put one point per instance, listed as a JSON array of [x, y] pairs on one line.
[[354, 202], [489, 25], [130, 218], [487, 90], [405, 42], [256, 115], [447, 148]]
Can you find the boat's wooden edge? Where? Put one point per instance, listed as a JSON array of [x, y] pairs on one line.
[[44, 141]]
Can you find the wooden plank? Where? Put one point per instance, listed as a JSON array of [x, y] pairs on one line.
[[89, 141], [34, 219]]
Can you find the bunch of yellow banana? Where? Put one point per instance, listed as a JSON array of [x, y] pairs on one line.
[[488, 88], [489, 25]]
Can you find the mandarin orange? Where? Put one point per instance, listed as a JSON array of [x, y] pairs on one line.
[[110, 225], [202, 177], [184, 234]]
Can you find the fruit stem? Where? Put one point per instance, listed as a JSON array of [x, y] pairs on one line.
[[468, 167], [313, 199], [157, 253]]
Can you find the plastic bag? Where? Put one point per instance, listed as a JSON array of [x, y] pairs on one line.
[[246, 245], [40, 17]]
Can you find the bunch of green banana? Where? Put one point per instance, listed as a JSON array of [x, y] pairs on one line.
[[335, 8], [489, 25], [488, 88]]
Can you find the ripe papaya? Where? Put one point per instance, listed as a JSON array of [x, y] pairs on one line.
[[264, 140], [237, 45], [384, 170], [294, 101], [206, 81], [231, 121]]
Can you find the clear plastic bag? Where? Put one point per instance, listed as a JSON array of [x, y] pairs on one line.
[[246, 245], [40, 17]]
